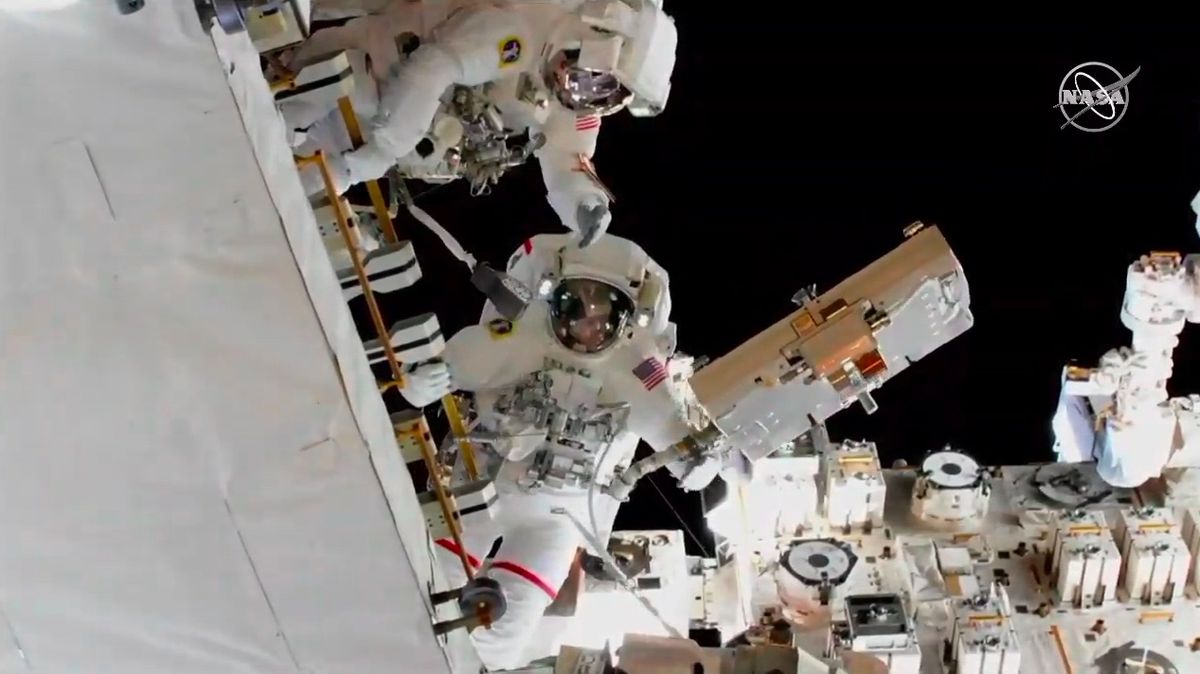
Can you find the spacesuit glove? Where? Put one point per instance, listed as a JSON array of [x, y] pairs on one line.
[[592, 216], [427, 383], [696, 474], [369, 162], [723, 460]]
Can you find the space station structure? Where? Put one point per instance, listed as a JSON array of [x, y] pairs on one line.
[[952, 490], [826, 559], [1084, 562], [854, 489], [1119, 413]]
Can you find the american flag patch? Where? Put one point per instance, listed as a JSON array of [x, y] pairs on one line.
[[587, 123], [651, 372]]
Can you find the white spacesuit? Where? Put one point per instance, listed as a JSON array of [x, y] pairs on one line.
[[562, 397], [1196, 210], [551, 69]]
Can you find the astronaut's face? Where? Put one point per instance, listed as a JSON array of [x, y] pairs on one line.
[[587, 316]]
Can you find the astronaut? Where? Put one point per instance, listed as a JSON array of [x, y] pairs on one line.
[[562, 397], [490, 83]]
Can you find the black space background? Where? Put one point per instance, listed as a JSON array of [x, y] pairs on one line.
[[793, 152]]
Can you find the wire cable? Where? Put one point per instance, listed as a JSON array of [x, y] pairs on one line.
[[679, 518]]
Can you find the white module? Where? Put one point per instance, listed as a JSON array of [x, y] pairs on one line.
[[958, 569], [784, 495], [951, 492], [779, 502], [854, 487], [984, 639], [1157, 561], [880, 625], [1085, 562]]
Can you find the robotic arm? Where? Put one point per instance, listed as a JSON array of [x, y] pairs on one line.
[[1119, 413], [572, 186], [838, 347], [833, 351]]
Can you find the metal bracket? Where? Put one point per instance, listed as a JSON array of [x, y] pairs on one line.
[[805, 295], [508, 295], [230, 14]]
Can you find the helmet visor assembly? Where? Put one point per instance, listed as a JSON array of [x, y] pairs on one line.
[[588, 316], [584, 90]]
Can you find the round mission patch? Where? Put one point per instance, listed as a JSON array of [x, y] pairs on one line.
[[510, 50], [500, 328]]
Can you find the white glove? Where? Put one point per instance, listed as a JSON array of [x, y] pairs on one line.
[[592, 216], [369, 162], [427, 383], [722, 460]]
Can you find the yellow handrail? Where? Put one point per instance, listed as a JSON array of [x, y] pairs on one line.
[[444, 499], [458, 427]]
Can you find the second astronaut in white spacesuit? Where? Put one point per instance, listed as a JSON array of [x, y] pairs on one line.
[[554, 67], [562, 397]]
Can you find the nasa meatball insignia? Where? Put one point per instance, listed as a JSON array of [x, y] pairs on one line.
[[499, 328], [510, 50]]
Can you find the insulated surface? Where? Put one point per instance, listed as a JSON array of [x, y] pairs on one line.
[[190, 480]]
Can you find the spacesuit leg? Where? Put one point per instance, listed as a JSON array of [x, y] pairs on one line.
[[329, 133], [378, 36], [321, 44], [321, 117], [465, 52], [531, 565]]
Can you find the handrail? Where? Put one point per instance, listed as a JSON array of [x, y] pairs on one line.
[[458, 427], [427, 452]]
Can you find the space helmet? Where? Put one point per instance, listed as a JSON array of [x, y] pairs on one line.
[[597, 297], [620, 54]]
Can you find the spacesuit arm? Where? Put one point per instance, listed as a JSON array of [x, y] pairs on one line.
[[664, 414], [480, 356], [572, 187], [476, 47]]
